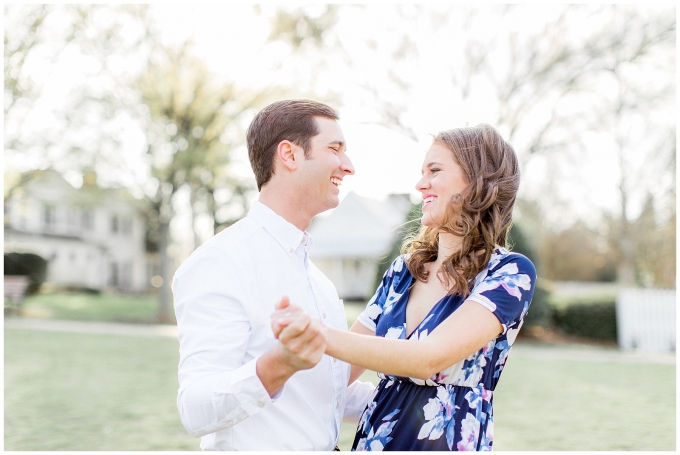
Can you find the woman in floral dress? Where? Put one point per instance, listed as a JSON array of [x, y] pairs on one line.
[[441, 325]]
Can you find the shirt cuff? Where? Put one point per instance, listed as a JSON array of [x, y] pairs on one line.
[[247, 388], [359, 394]]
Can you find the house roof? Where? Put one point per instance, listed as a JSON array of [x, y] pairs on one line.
[[359, 227], [49, 185]]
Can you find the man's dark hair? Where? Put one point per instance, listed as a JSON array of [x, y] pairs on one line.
[[291, 120]]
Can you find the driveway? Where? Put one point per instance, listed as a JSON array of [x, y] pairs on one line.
[[577, 352]]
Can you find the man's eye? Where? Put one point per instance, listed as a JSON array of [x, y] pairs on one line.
[[434, 169]]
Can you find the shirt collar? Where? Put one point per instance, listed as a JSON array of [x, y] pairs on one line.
[[285, 233]]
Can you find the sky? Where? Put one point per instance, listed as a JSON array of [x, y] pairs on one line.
[[232, 39], [387, 161]]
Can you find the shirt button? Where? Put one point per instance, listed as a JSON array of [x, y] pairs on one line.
[[324, 315], [337, 405], [260, 404], [230, 422], [290, 250]]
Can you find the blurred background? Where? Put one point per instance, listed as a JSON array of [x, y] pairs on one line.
[[124, 135]]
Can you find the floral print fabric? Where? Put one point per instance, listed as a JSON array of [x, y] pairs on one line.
[[453, 410]]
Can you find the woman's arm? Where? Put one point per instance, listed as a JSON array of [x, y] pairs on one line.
[[360, 329], [464, 332]]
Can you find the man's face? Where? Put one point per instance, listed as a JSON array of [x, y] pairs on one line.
[[322, 173]]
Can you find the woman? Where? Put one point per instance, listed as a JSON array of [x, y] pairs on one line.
[[440, 327]]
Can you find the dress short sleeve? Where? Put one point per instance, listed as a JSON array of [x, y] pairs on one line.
[[384, 295], [506, 287]]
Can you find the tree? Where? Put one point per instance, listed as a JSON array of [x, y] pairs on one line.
[[577, 253], [40, 42], [193, 124], [550, 86], [408, 229]]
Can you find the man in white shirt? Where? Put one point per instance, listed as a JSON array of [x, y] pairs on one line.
[[240, 388]]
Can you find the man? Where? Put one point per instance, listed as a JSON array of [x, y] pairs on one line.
[[240, 388]]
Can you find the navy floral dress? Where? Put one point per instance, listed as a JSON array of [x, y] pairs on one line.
[[453, 410]]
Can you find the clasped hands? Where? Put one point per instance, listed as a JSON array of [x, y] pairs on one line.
[[302, 338]]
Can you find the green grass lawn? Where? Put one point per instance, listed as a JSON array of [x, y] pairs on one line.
[[569, 405], [67, 391], [103, 392], [93, 307], [112, 307]]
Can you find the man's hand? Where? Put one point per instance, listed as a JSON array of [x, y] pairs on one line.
[[302, 343], [302, 338]]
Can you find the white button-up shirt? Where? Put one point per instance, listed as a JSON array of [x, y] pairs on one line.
[[224, 295]]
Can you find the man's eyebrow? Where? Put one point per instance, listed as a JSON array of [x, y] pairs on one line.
[[340, 143]]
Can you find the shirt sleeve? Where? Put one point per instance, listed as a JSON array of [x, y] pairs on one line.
[[217, 389], [374, 308], [507, 290], [359, 394]]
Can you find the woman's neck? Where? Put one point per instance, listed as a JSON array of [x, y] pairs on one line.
[[449, 244]]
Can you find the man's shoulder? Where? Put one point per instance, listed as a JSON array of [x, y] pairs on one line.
[[234, 237], [228, 245]]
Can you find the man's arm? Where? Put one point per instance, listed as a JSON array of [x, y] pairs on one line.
[[359, 394], [219, 385]]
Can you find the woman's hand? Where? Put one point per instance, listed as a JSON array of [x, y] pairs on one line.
[[286, 314], [302, 338]]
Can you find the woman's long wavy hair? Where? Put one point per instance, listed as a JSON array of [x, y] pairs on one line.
[[481, 215]]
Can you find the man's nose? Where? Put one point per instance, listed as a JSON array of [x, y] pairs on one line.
[[347, 166]]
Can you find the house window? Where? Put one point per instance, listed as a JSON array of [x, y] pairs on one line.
[[114, 278], [350, 265], [72, 217], [126, 275], [87, 220], [50, 217], [126, 226]]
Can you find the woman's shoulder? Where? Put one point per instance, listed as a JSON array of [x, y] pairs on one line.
[[502, 257], [397, 272], [398, 265]]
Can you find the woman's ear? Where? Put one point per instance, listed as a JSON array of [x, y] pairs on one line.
[[286, 154]]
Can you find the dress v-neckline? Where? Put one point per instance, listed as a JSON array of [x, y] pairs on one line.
[[407, 294]]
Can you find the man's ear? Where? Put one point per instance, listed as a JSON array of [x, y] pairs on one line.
[[286, 154]]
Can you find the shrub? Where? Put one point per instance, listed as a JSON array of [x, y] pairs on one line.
[[590, 318], [540, 312], [28, 264]]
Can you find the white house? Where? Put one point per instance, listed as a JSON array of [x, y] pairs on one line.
[[92, 237], [353, 238]]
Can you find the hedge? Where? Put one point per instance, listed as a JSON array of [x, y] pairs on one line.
[[28, 264], [540, 311], [589, 318]]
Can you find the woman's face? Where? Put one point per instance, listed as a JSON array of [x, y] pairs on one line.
[[442, 179]]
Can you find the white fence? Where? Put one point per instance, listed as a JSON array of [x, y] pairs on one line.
[[646, 319]]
